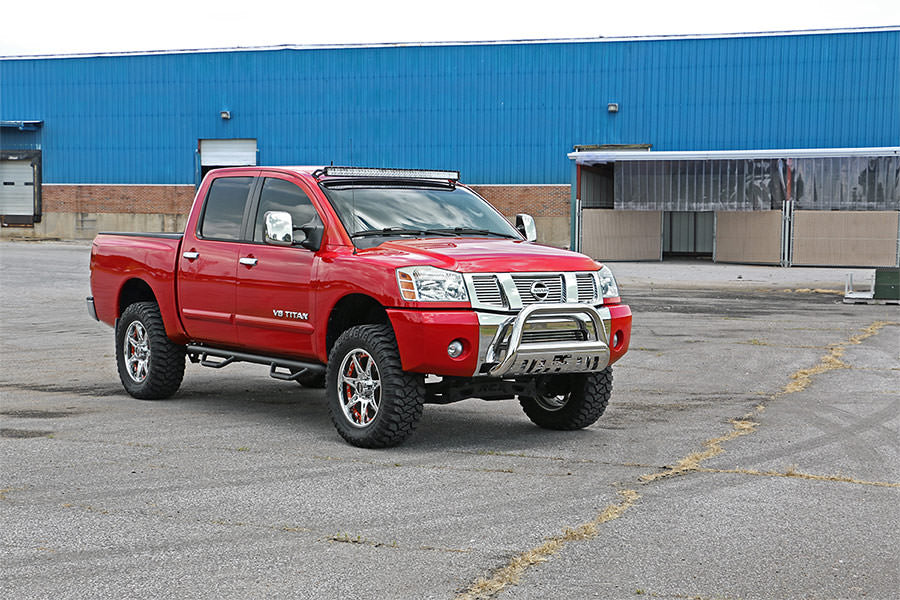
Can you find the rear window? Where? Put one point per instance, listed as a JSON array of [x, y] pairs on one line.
[[223, 213]]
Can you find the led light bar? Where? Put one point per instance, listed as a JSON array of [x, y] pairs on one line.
[[400, 173]]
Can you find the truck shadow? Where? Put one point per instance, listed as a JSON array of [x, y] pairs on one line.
[[471, 423]]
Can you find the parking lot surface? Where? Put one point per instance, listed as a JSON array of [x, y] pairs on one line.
[[751, 449]]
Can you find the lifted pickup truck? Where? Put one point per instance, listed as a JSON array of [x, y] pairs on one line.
[[390, 288]]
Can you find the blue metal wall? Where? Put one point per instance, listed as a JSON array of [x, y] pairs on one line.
[[505, 113]]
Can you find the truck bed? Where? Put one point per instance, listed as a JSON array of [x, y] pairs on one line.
[[151, 258]]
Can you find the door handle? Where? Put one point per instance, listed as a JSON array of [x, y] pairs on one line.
[[191, 255], [246, 260]]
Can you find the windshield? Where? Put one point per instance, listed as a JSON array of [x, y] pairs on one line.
[[373, 212]]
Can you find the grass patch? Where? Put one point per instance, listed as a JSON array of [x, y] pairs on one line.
[[511, 574]]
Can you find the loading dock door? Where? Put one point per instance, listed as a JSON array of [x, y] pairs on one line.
[[688, 233], [17, 191], [215, 154]]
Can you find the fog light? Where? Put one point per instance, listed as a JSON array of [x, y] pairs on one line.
[[618, 340], [455, 349]]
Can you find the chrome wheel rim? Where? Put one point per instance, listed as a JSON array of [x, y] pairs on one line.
[[137, 352], [359, 388], [552, 403]]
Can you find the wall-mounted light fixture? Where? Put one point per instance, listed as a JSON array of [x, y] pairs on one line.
[[613, 107], [225, 114]]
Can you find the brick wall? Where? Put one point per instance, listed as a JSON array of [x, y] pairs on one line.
[[129, 199], [536, 200]]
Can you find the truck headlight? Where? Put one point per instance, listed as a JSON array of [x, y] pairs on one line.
[[608, 287], [430, 284]]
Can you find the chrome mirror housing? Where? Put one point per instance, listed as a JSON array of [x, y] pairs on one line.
[[279, 228], [525, 225]]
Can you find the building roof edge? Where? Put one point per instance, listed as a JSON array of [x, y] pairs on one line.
[[613, 39]]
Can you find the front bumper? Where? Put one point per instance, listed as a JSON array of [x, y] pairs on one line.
[[540, 339], [545, 339]]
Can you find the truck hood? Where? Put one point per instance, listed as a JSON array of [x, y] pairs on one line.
[[487, 255]]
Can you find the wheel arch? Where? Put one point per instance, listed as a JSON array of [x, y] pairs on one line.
[[350, 311], [138, 290], [134, 290]]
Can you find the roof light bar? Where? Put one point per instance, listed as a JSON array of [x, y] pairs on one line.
[[400, 173]]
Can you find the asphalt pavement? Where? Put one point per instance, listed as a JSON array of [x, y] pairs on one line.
[[750, 450]]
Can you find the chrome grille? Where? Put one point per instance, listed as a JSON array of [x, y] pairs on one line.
[[487, 290], [537, 337], [587, 287], [525, 284]]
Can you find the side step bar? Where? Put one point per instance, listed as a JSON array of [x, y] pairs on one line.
[[216, 358]]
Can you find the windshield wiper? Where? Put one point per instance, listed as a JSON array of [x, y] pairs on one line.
[[397, 231], [470, 231]]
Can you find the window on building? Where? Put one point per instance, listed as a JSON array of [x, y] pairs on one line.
[[223, 212]]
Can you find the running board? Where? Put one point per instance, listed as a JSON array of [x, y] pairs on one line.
[[216, 358]]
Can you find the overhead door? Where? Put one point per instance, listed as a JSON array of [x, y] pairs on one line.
[[227, 153], [215, 154], [16, 188]]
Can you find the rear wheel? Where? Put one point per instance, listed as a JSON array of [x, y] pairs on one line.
[[150, 366], [567, 402], [372, 401]]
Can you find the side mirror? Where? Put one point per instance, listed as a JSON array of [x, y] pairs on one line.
[[279, 228], [313, 233], [525, 225]]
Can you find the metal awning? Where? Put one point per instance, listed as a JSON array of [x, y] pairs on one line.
[[22, 125], [599, 157]]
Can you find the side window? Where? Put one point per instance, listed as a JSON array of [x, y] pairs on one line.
[[224, 209], [278, 194]]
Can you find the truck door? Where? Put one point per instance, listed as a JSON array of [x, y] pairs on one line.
[[208, 263], [274, 310]]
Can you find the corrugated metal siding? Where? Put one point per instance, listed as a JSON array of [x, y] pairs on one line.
[[505, 113]]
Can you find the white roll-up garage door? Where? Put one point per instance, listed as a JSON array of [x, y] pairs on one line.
[[16, 188], [227, 153]]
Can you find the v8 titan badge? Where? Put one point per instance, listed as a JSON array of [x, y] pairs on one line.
[[290, 314]]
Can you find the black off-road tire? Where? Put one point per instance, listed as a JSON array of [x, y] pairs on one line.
[[569, 402], [156, 371], [315, 380], [400, 395]]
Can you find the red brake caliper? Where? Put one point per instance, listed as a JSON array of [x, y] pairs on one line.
[[348, 393]]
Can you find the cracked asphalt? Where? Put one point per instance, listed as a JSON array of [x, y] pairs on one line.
[[714, 474]]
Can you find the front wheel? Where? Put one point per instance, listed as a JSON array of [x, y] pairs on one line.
[[372, 401], [151, 367], [567, 402]]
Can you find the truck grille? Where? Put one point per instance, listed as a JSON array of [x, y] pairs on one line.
[[539, 288], [513, 291], [487, 290], [587, 287]]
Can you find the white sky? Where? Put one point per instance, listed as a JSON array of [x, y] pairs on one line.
[[74, 26]]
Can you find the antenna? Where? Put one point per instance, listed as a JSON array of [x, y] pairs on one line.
[[353, 196]]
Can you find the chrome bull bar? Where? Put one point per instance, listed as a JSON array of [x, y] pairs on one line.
[[508, 354]]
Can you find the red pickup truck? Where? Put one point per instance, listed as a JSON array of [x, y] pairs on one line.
[[390, 288]]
